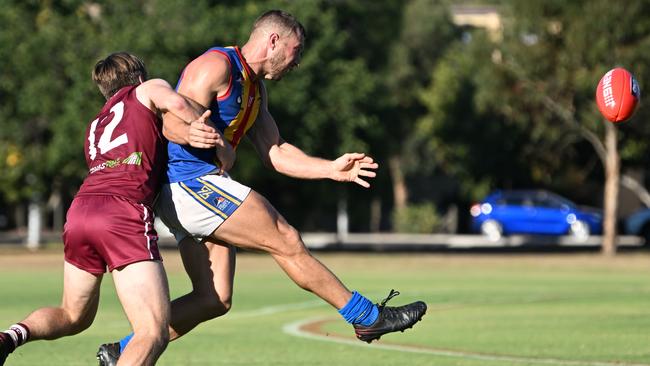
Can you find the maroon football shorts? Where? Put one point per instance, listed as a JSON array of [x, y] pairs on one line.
[[108, 231]]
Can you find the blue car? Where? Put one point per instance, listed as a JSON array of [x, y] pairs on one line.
[[533, 212]]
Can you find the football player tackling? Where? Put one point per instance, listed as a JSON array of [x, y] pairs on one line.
[[110, 222]]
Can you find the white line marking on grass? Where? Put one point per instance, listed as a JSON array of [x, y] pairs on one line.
[[296, 329], [270, 310]]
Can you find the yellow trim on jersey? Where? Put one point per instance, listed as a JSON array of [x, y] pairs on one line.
[[245, 111]]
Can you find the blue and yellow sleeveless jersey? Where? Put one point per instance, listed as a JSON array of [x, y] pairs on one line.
[[233, 114]]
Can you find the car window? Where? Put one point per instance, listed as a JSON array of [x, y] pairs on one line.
[[501, 201], [515, 200], [533, 199], [544, 199], [512, 201], [547, 202]]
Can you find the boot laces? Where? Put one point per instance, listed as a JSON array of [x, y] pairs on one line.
[[392, 294]]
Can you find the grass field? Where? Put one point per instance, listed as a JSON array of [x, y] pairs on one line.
[[488, 310]]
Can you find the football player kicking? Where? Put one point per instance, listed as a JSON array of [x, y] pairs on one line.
[[209, 213]]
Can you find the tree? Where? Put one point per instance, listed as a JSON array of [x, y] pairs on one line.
[[578, 52], [424, 33], [39, 81], [539, 81], [49, 49]]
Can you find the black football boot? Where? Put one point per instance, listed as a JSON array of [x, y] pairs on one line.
[[391, 319], [108, 354], [6, 347]]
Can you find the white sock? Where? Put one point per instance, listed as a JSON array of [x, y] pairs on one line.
[[18, 334]]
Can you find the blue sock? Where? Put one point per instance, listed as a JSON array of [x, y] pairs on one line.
[[359, 310], [124, 342]]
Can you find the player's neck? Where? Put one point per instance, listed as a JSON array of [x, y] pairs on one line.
[[255, 56]]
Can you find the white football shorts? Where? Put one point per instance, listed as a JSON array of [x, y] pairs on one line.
[[196, 207]]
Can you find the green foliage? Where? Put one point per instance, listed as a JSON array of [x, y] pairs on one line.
[[37, 78], [426, 32], [49, 48], [323, 107], [326, 93], [420, 218], [394, 79], [515, 112], [553, 57], [461, 133]]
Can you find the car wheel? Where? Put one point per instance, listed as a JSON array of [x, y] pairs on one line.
[[492, 229], [580, 230]]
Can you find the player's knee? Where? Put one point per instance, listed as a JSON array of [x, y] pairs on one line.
[[155, 337], [152, 328], [292, 235], [162, 339], [292, 242], [78, 326], [78, 321], [215, 306], [226, 305], [159, 341]]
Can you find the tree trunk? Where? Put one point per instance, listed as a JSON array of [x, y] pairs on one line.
[[400, 191], [55, 203], [19, 217], [612, 176], [375, 214]]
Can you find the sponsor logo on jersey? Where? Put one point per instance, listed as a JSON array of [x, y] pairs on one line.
[[135, 158], [205, 192], [222, 203]]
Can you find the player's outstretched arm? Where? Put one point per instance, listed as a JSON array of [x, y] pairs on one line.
[[189, 127], [287, 159]]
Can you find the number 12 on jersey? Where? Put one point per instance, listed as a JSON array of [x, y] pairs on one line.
[[106, 142]]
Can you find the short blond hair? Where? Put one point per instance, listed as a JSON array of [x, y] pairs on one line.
[[280, 20], [116, 71]]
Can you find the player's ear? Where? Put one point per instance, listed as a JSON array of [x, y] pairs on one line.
[[273, 40]]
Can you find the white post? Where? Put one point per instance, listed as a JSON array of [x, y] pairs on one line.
[[34, 224], [342, 219]]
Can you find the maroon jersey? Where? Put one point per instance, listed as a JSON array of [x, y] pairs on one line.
[[125, 150]]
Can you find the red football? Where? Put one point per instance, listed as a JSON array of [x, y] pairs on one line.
[[617, 95]]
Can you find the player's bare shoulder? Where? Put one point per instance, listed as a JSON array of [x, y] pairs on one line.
[[210, 71]]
